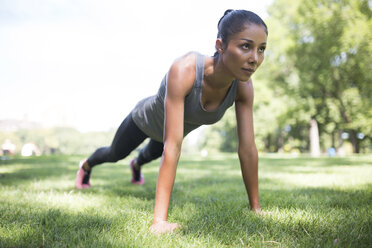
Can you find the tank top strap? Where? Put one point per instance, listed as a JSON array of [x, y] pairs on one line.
[[200, 61]]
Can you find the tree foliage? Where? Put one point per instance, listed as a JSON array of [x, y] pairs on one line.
[[332, 57]]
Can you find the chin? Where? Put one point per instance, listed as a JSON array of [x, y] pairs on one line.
[[244, 79]]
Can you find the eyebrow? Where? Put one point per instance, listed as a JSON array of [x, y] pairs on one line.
[[251, 41]]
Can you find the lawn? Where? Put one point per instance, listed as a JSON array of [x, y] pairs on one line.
[[312, 202]]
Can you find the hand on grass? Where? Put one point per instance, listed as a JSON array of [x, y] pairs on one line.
[[261, 212], [162, 227], [256, 210]]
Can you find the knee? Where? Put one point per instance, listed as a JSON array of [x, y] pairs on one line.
[[113, 159], [115, 156]]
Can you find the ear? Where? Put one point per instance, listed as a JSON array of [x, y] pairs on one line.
[[219, 45]]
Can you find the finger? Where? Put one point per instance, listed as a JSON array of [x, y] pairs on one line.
[[177, 225]]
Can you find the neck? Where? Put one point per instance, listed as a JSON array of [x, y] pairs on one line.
[[216, 74]]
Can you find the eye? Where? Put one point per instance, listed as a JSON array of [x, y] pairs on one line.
[[261, 49], [246, 46]]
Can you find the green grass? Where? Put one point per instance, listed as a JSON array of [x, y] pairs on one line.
[[323, 202]]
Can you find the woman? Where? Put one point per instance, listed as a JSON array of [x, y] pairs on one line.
[[197, 90]]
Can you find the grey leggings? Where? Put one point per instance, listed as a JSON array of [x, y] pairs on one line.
[[127, 138]]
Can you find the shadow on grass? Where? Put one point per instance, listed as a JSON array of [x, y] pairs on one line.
[[323, 216], [36, 226], [20, 170]]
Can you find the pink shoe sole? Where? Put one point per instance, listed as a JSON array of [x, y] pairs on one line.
[[133, 180], [80, 176]]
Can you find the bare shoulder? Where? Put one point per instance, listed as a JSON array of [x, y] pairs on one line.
[[187, 59], [245, 92], [182, 73], [185, 64]]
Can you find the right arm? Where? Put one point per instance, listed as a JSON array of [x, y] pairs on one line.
[[180, 81]]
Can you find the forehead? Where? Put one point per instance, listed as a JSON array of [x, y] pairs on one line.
[[253, 32]]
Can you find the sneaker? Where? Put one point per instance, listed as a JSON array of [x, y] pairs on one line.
[[137, 177], [82, 177]]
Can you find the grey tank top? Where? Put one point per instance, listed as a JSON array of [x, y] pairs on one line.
[[148, 114]]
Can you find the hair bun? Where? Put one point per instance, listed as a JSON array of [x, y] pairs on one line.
[[228, 11], [224, 14]]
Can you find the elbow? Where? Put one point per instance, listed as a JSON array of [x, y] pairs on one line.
[[247, 151], [172, 150]]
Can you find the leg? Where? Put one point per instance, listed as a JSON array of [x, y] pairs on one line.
[[151, 151], [127, 138]]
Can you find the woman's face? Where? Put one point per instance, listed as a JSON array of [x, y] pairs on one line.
[[245, 51]]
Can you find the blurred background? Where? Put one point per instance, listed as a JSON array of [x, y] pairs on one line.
[[70, 71]]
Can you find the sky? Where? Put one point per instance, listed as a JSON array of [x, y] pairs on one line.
[[86, 63]]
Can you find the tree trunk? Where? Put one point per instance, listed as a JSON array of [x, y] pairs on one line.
[[354, 141], [333, 140], [340, 149], [314, 139], [267, 142]]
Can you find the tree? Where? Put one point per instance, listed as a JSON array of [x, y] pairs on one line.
[[333, 57], [323, 62]]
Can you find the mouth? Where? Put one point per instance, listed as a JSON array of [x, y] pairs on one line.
[[248, 70]]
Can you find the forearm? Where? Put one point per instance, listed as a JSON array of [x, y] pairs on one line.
[[249, 167], [166, 177]]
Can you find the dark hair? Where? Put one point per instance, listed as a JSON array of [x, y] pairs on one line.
[[234, 21]]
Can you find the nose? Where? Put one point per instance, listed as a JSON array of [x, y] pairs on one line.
[[253, 57]]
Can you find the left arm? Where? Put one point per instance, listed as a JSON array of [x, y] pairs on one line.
[[247, 150]]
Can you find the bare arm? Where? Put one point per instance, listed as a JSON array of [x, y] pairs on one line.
[[180, 80], [247, 148]]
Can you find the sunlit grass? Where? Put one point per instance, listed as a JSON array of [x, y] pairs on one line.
[[313, 202]]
